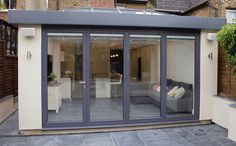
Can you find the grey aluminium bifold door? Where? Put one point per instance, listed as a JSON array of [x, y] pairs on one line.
[[64, 78], [104, 78], [145, 77]]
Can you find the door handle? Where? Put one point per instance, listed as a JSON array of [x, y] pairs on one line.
[[82, 82]]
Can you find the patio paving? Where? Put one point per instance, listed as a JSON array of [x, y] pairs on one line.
[[204, 135], [10, 126]]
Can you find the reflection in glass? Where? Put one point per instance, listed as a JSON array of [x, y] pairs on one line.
[[180, 75], [65, 71], [144, 76], [106, 77]]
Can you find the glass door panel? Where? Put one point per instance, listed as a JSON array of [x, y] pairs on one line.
[[180, 75], [144, 76], [106, 77], [65, 72]]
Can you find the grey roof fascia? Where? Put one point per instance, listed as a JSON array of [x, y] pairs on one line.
[[112, 19]]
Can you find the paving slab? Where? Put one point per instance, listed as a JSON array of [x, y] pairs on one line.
[[202, 135]]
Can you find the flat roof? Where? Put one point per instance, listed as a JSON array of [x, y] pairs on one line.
[[113, 17]]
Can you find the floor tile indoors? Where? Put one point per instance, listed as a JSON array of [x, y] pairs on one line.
[[204, 135], [72, 109], [104, 109]]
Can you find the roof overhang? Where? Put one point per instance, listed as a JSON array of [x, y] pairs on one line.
[[113, 19]]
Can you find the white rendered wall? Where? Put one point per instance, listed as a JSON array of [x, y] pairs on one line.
[[29, 72], [212, 107], [221, 111], [208, 76]]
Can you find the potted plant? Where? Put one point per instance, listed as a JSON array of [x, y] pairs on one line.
[[52, 79]]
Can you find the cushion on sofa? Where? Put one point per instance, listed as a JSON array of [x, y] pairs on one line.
[[172, 92], [179, 93]]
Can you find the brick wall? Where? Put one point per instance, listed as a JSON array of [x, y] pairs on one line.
[[221, 7], [102, 3], [3, 16], [21, 4], [8, 73], [52, 5], [1, 68], [203, 11], [132, 6], [215, 8], [67, 4], [226, 81]]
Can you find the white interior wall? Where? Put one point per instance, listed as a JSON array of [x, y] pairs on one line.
[[54, 49], [56, 59], [29, 73], [150, 56], [100, 59], [155, 64], [180, 60]]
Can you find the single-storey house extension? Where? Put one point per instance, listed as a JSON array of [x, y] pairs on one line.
[[88, 67]]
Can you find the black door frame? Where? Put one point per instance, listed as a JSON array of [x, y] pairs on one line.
[[126, 31]]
